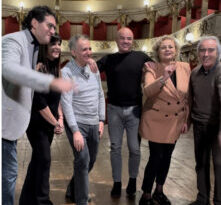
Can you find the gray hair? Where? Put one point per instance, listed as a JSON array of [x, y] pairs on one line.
[[156, 46], [204, 38], [73, 41]]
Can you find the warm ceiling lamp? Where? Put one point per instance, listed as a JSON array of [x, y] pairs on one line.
[[88, 9], [146, 2], [189, 37], [21, 4], [119, 6]]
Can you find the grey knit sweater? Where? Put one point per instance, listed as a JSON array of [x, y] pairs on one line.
[[85, 104]]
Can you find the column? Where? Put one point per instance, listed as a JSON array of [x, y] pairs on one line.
[[152, 18], [175, 17], [20, 18], [123, 20], [204, 8], [91, 25], [58, 24], [188, 12], [58, 16]]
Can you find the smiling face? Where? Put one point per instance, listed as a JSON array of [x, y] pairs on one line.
[[124, 40], [167, 51], [208, 53], [54, 50], [44, 30], [82, 52]]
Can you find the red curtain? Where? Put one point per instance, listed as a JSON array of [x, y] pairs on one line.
[[85, 29], [65, 31], [183, 21], [100, 32], [136, 27], [163, 26], [11, 25]]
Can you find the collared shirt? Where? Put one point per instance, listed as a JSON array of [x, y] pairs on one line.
[[81, 70]]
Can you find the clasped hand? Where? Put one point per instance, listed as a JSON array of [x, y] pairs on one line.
[[59, 128]]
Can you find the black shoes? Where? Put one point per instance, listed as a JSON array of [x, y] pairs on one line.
[[145, 201], [161, 198], [131, 187], [130, 190], [116, 190], [69, 193]]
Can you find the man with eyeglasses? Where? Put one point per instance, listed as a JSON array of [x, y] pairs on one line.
[[205, 87], [19, 80]]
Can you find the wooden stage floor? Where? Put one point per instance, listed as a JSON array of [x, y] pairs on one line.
[[180, 185]]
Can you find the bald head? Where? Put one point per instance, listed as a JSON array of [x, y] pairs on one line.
[[124, 40]]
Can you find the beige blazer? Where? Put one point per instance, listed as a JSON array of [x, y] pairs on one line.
[[166, 109]]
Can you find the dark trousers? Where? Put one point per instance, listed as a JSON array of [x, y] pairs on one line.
[[158, 165], [35, 190], [205, 143], [83, 160]]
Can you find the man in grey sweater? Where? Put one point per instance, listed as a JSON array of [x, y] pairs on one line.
[[84, 111], [205, 86]]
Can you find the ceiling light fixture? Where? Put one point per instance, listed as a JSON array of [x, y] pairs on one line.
[[89, 9], [146, 2], [189, 37], [21, 5]]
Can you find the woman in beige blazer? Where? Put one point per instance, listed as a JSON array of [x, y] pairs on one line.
[[164, 115]]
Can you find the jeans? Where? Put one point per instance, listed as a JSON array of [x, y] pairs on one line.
[[158, 165], [83, 160], [205, 143], [9, 171], [120, 118]]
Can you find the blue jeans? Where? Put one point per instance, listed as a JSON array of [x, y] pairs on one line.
[[9, 171], [83, 160], [120, 118]]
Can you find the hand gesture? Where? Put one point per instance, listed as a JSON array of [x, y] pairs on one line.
[[149, 64], [168, 70], [78, 141], [93, 65], [59, 128], [40, 67], [61, 85], [184, 128], [101, 129]]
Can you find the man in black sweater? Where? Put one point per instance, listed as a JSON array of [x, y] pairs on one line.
[[124, 73], [205, 86]]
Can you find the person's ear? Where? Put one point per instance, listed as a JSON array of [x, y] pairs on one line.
[[34, 23], [73, 53]]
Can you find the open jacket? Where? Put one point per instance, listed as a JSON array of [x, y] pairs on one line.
[[166, 108], [19, 80]]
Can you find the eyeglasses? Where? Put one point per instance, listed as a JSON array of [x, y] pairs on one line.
[[50, 26], [209, 50], [166, 47]]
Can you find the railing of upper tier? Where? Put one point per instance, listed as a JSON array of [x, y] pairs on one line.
[[209, 25]]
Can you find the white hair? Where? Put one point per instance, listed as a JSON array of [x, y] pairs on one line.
[[204, 38]]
